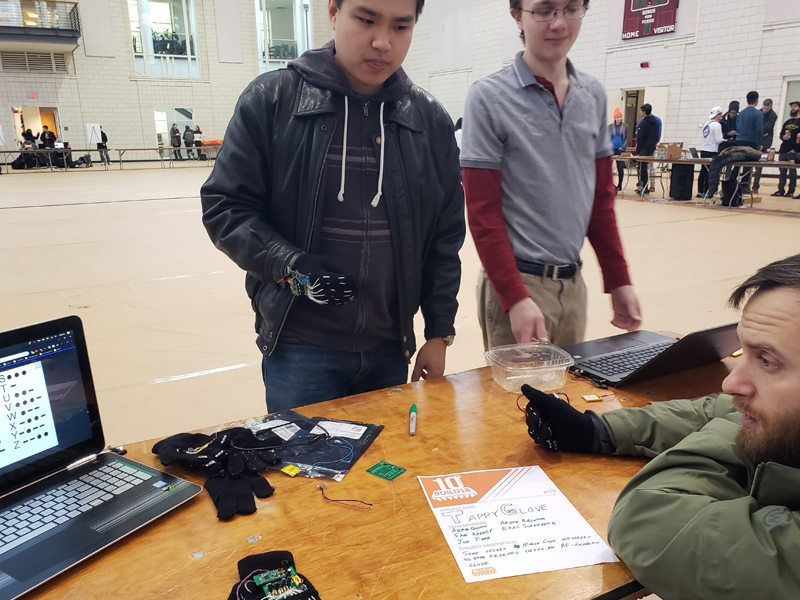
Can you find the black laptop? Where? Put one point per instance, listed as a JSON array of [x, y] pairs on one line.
[[641, 355], [62, 498]]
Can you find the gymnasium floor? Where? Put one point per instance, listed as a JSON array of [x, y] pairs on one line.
[[169, 326]]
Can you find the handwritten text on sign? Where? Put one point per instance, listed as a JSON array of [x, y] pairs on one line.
[[507, 522]]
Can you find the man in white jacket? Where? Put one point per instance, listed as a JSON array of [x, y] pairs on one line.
[[712, 136]]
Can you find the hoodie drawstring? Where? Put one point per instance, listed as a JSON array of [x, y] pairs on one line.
[[377, 197], [340, 197]]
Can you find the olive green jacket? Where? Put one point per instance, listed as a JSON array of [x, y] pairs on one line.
[[700, 521]]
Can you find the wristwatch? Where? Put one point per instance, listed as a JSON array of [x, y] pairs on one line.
[[449, 339]]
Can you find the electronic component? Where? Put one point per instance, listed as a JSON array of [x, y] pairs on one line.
[[386, 470], [280, 583], [592, 398]]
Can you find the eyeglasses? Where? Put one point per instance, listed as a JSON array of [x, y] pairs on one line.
[[545, 15]]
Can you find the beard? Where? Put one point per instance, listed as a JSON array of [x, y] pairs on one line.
[[794, 113], [777, 441]]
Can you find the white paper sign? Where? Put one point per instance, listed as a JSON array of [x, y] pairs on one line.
[[2, 137], [93, 134], [507, 522]]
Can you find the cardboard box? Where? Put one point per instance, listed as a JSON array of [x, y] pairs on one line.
[[671, 151]]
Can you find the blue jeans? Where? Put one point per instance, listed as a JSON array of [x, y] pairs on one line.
[[298, 373]]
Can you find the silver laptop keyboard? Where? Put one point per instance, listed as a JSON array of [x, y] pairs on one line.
[[67, 501], [627, 360]]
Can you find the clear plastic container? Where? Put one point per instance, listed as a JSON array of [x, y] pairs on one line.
[[540, 365]]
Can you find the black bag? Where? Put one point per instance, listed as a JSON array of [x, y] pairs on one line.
[[202, 156], [19, 163], [681, 182]]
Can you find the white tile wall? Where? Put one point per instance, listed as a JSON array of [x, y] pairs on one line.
[[733, 54]]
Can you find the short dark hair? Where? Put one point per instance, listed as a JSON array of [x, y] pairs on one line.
[[420, 6], [517, 5], [646, 109], [783, 273], [767, 102], [752, 97], [44, 126]]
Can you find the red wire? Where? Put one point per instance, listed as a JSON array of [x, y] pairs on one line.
[[367, 505]]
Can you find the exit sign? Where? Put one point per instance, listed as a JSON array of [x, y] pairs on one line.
[[32, 95]]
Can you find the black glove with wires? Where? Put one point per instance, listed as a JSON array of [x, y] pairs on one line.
[[232, 490], [194, 450], [327, 282], [255, 564], [555, 425]]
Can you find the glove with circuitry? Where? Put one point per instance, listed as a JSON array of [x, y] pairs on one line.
[[194, 450], [555, 425], [271, 576], [247, 453], [321, 280]]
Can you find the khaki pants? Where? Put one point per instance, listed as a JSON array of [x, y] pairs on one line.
[[562, 301]]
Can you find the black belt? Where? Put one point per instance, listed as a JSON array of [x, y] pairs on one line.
[[548, 271]]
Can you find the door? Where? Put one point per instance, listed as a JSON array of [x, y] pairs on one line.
[[657, 97]]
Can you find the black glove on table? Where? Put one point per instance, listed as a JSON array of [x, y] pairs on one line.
[[327, 282], [195, 450], [234, 495], [247, 590], [555, 425]]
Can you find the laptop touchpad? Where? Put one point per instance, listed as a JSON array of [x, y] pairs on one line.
[[49, 552]]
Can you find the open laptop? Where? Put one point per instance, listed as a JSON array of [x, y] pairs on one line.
[[62, 498], [693, 152], [640, 355]]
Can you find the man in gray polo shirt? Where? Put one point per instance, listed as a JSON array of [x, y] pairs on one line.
[[537, 173]]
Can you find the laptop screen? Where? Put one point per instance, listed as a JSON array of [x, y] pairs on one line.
[[58, 145], [50, 417]]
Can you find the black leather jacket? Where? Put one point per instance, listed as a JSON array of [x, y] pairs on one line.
[[261, 204]]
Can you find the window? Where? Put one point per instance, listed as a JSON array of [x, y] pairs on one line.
[[164, 38], [283, 29]]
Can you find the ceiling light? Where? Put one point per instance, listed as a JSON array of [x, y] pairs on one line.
[[31, 23], [33, 15]]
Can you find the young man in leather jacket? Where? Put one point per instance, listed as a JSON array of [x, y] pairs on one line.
[[338, 191], [720, 501]]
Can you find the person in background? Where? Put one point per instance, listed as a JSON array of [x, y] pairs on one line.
[[198, 139], [719, 503], [646, 141], [750, 133], [537, 164], [728, 122], [788, 150], [652, 166], [712, 137], [188, 141], [620, 140], [175, 140], [48, 138], [27, 136], [102, 145], [770, 118], [459, 131]]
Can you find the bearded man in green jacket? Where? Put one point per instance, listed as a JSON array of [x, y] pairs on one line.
[[716, 513]]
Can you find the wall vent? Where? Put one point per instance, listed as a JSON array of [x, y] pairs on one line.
[[31, 62]]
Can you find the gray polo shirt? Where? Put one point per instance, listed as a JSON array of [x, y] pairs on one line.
[[546, 160]]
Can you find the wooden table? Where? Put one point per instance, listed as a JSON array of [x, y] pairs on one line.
[[760, 164], [395, 551]]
